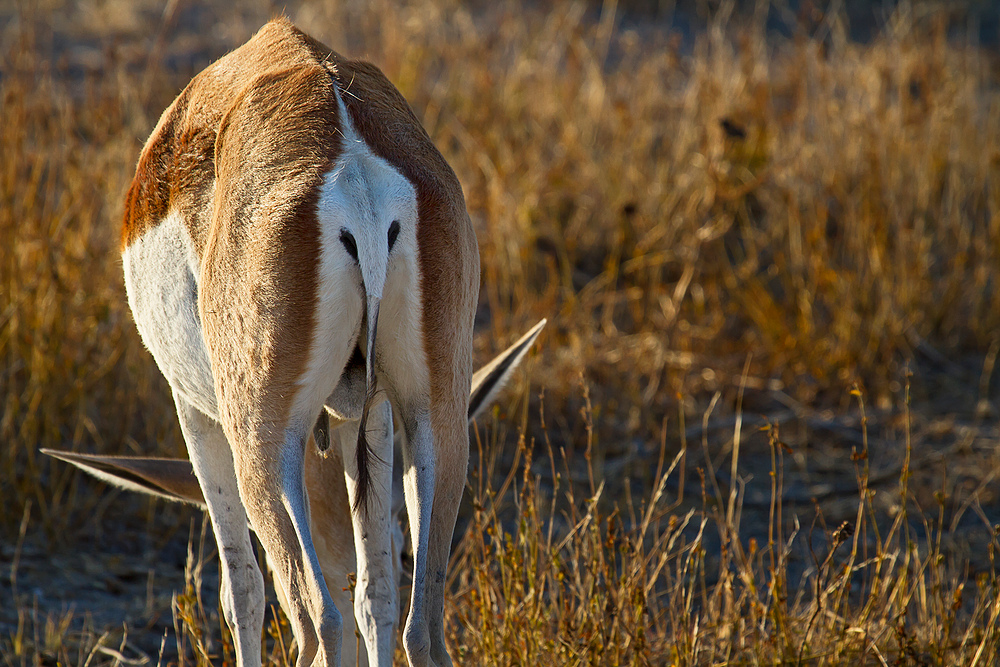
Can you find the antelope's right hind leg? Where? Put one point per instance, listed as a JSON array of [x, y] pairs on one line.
[[242, 590]]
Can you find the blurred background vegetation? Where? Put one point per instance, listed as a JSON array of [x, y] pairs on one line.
[[772, 206]]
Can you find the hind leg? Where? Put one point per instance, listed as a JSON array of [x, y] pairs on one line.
[[452, 448], [333, 537], [269, 470], [376, 597], [242, 584]]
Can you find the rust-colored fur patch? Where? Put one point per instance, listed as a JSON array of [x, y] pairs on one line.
[[176, 168]]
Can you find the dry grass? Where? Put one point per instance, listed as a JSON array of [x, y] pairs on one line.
[[733, 217], [639, 584]]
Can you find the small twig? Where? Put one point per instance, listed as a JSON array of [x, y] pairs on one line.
[[16, 562]]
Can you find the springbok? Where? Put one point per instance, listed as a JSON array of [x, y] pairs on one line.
[[285, 198], [329, 516]]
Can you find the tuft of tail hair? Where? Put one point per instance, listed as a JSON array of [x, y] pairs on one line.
[[364, 451]]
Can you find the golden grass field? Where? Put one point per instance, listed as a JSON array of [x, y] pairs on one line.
[[763, 423]]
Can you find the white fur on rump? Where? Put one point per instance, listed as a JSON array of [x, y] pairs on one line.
[[161, 270]]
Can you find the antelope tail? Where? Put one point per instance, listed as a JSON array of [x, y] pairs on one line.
[[364, 451]]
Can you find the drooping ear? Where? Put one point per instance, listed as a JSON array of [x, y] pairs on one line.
[[491, 378], [172, 479]]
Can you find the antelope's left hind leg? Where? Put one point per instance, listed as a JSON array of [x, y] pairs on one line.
[[376, 596], [242, 588]]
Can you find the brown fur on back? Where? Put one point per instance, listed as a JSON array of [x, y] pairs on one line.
[[176, 168]]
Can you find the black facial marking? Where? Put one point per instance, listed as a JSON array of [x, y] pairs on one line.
[[393, 233], [349, 243]]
